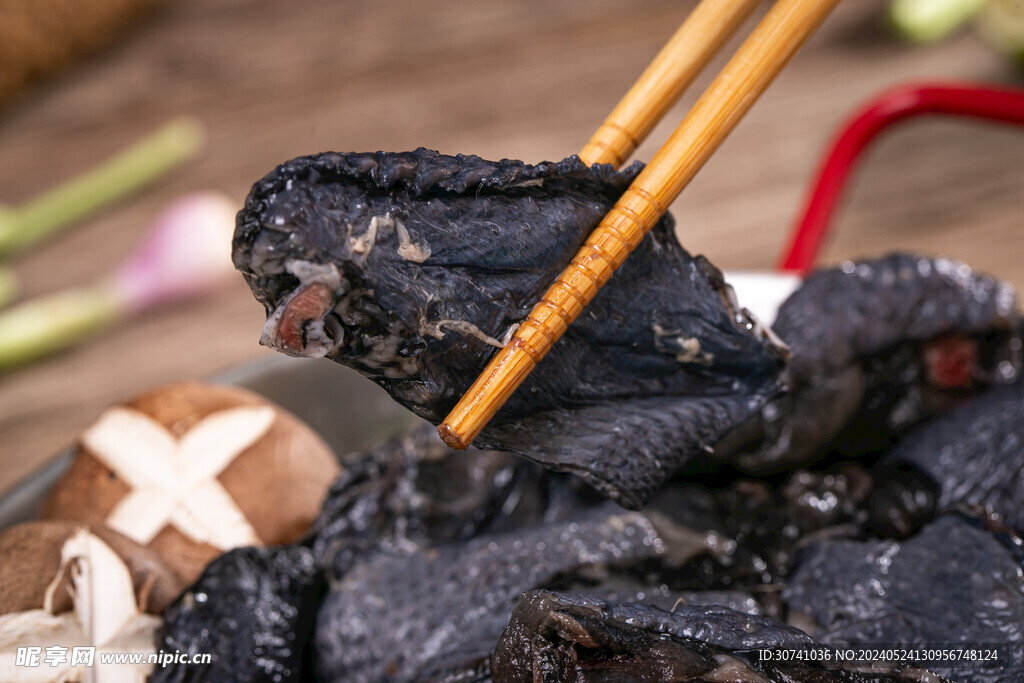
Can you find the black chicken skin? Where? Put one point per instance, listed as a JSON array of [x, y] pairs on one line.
[[399, 615], [878, 347], [427, 549], [252, 611], [957, 581], [974, 454], [414, 268], [415, 492], [559, 638]]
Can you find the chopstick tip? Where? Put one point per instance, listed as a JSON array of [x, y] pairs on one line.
[[451, 437]]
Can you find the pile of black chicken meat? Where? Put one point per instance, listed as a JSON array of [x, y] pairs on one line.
[[679, 492]]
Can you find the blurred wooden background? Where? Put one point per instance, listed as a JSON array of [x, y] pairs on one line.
[[529, 80]]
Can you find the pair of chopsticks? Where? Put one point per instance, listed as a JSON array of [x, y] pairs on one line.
[[755, 65]]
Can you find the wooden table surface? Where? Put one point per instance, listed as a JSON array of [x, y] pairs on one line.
[[528, 80]]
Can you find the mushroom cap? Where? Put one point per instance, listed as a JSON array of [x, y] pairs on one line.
[[32, 561], [268, 485]]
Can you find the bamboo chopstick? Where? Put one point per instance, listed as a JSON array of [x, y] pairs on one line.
[[761, 57], [684, 56]]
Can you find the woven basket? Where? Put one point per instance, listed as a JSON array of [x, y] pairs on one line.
[[39, 37]]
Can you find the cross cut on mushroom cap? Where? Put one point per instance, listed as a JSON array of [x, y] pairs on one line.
[[192, 470], [174, 481]]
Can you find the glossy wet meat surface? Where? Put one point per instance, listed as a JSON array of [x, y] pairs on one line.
[[400, 615], [415, 490], [958, 580], [412, 268], [825, 492], [553, 637], [975, 454], [428, 601], [443, 542], [252, 611], [878, 347], [425, 552]]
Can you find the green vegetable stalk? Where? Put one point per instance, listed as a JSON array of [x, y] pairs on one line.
[[140, 164], [1001, 24], [40, 327], [186, 253], [924, 21], [8, 286]]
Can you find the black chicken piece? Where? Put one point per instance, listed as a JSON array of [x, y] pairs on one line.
[[558, 638], [410, 616], [252, 610], [413, 268], [974, 454], [425, 560], [904, 499], [879, 346], [958, 581], [415, 492], [760, 527]]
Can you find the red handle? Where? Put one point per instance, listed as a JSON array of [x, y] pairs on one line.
[[983, 102]]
